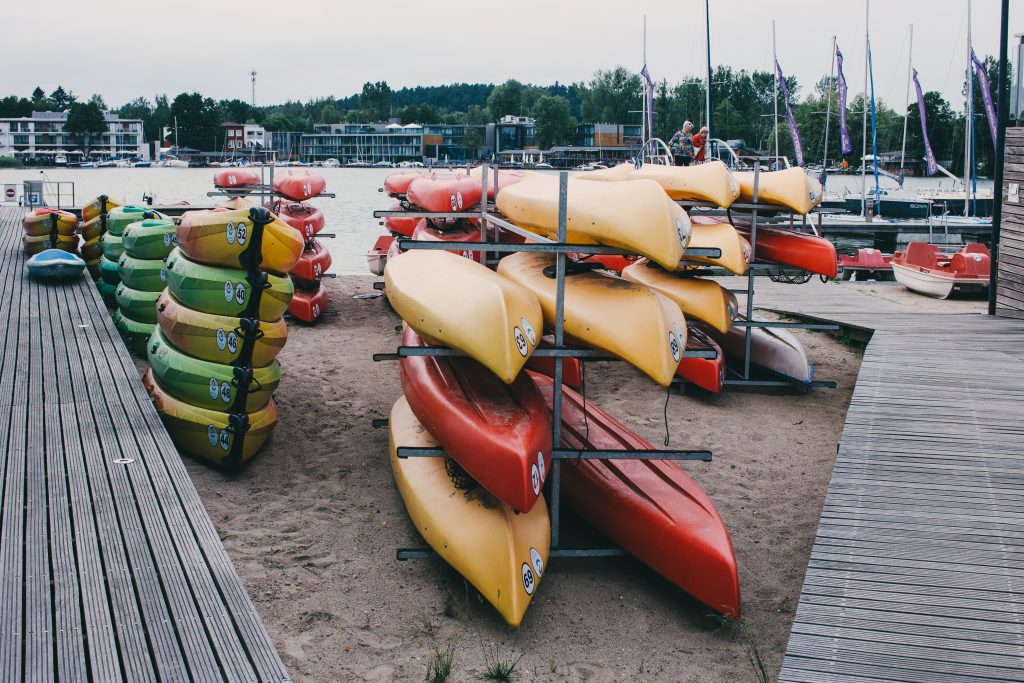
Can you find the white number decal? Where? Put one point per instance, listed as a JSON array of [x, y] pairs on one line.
[[528, 328], [520, 340], [240, 294], [529, 582], [225, 439], [225, 392], [232, 342], [535, 479], [241, 231]]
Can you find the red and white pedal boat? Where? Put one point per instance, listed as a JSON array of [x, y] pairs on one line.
[[923, 268]]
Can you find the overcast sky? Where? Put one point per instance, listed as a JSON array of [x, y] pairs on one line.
[[318, 48]]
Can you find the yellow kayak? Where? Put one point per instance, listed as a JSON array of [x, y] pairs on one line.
[[623, 171], [634, 215], [710, 182], [218, 238], [207, 433], [501, 552], [91, 229], [34, 244], [458, 302], [627, 320], [698, 298], [41, 222], [791, 188], [734, 247], [94, 208]]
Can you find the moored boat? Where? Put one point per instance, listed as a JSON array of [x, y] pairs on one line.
[[923, 268]]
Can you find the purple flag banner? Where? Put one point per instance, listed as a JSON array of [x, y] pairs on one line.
[[933, 166], [649, 93], [798, 146], [986, 95], [844, 134]]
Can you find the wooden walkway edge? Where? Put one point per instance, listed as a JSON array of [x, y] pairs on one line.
[[917, 570], [110, 567]]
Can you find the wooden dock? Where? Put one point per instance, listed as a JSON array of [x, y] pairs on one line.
[[917, 570], [111, 569]]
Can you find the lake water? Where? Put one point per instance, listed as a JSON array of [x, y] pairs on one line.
[[349, 216]]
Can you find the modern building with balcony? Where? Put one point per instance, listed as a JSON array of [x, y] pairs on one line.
[[597, 143], [41, 139], [455, 143], [364, 143]]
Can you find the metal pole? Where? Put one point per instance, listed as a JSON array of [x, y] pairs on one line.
[[644, 133], [750, 275], [707, 94], [775, 97], [556, 403], [968, 123], [864, 130], [997, 187], [906, 100]]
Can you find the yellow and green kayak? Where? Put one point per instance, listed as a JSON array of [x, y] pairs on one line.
[[94, 208], [150, 238], [219, 238], [224, 291], [134, 333], [147, 275], [135, 304], [112, 245], [121, 217]]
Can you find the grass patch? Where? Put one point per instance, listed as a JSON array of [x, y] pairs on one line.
[[738, 630], [11, 162], [439, 668], [501, 668]]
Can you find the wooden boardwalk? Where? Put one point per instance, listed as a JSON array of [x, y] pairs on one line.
[[917, 571], [111, 569]]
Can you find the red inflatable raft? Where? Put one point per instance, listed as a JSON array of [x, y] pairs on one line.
[[397, 184], [651, 508], [305, 218], [232, 178], [401, 225], [499, 433], [299, 186], [706, 373], [457, 232], [444, 193], [313, 262], [309, 302]]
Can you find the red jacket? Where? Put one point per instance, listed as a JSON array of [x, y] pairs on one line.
[[698, 147]]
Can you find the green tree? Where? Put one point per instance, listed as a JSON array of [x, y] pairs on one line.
[[39, 100], [329, 114], [199, 121], [160, 119], [553, 121], [85, 122], [477, 115], [141, 109], [472, 141], [375, 100], [236, 110], [61, 99], [611, 96], [507, 99], [13, 106], [97, 99]]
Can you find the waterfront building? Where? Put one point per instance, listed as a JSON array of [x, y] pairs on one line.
[[364, 143], [40, 139], [241, 138]]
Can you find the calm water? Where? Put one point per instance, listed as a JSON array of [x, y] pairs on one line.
[[349, 216]]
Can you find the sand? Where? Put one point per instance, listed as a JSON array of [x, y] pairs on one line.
[[313, 523]]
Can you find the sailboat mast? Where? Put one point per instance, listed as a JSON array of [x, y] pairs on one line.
[[968, 123], [644, 133], [775, 95], [707, 85], [864, 132], [828, 105], [906, 107]]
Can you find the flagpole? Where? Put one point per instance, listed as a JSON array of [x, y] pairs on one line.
[[906, 109], [864, 130], [775, 93], [707, 88], [644, 133], [828, 106], [968, 123]]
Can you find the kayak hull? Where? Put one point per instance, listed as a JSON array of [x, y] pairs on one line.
[[791, 188], [147, 275], [698, 298], [224, 291], [309, 304], [299, 186], [313, 262], [112, 246], [305, 218], [706, 373], [135, 334], [221, 238], [774, 350], [136, 304], [444, 193], [150, 239]]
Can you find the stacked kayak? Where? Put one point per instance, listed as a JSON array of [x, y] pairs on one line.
[[480, 506], [111, 244], [142, 276], [93, 225], [219, 328], [49, 229]]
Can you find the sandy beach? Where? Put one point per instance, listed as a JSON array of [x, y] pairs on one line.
[[313, 523]]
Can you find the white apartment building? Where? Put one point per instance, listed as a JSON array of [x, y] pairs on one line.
[[41, 138]]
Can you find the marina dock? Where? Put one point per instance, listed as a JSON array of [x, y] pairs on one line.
[[112, 570], [916, 572]]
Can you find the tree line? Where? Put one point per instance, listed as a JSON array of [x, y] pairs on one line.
[[742, 108]]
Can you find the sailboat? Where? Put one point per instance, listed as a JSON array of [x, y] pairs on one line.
[[172, 161]]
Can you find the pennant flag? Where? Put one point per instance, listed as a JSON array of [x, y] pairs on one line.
[[649, 94], [844, 134], [929, 155], [798, 146], [986, 95]]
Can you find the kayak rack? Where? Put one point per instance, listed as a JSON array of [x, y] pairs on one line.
[[561, 248]]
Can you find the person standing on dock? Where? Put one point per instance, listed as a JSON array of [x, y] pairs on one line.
[[698, 143], [681, 145]]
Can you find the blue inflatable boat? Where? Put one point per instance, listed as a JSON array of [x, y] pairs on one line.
[[55, 264]]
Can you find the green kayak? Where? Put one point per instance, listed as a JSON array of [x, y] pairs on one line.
[[150, 239], [120, 217], [108, 292], [204, 384], [112, 246], [109, 271], [223, 291], [135, 334], [137, 305], [142, 274]]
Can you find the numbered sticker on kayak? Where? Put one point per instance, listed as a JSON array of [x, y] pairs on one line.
[[528, 329], [167, 239], [540, 465], [231, 232], [683, 230], [211, 435], [680, 336], [232, 342], [520, 340], [225, 439], [538, 562], [240, 294], [229, 291], [225, 392], [316, 270], [458, 198], [222, 339], [232, 179], [241, 232], [746, 252], [454, 203], [214, 388], [307, 189], [309, 230], [535, 479], [163, 275], [673, 345], [316, 310], [529, 580]]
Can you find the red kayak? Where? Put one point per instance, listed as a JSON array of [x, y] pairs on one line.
[[706, 373], [232, 178], [397, 184], [786, 247], [309, 303], [305, 218], [651, 508], [499, 433], [444, 193], [613, 262], [572, 368], [401, 225], [377, 257], [314, 261], [457, 232], [299, 186]]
